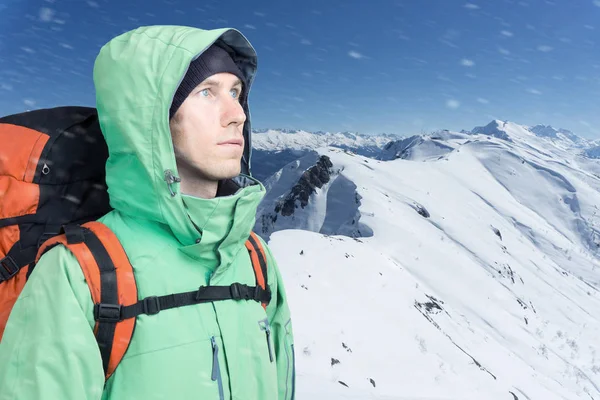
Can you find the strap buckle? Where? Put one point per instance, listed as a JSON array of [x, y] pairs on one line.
[[151, 305], [8, 268], [107, 312], [239, 291]]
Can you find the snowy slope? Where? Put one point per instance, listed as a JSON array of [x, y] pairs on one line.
[[474, 276]]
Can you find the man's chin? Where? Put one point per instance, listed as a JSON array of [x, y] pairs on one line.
[[229, 174]]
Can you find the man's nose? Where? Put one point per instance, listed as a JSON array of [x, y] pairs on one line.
[[233, 113]]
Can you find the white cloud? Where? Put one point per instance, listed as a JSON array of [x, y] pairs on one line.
[[46, 14], [453, 104], [66, 46], [355, 54], [93, 4], [545, 49], [5, 86], [28, 50], [306, 42], [259, 14], [29, 102], [249, 26], [483, 101], [597, 3], [507, 33], [534, 91], [467, 63], [471, 6], [503, 51]]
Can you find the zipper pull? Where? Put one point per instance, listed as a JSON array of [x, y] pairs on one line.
[[267, 328], [170, 178], [215, 365]]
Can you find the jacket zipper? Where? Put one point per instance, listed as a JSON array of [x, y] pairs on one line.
[[267, 328], [293, 373], [216, 370]]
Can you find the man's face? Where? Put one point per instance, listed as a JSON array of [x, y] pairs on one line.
[[207, 129]]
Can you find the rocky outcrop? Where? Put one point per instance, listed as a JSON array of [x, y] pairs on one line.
[[315, 177]]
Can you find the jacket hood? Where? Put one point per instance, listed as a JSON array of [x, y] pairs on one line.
[[136, 76]]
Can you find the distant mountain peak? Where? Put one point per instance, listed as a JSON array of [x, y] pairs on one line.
[[550, 132], [495, 128]]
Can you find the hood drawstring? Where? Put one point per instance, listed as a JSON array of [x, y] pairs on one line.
[[170, 178]]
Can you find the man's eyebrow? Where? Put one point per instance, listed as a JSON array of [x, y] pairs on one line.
[[212, 82]]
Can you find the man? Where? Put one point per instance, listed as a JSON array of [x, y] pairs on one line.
[[172, 104]]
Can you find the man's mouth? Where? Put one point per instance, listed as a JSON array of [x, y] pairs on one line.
[[232, 142]]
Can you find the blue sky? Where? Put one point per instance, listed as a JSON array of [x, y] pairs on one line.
[[402, 66]]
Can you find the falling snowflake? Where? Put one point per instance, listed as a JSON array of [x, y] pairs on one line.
[[467, 63], [452, 104], [46, 14]]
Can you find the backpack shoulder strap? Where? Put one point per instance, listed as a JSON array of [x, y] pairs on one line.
[[109, 275], [259, 263]]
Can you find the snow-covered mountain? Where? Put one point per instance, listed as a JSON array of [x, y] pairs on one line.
[[277, 140], [560, 134], [465, 268], [419, 146], [273, 149], [303, 195], [593, 152]]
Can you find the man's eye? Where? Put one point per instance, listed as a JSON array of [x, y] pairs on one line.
[[235, 93], [204, 92]]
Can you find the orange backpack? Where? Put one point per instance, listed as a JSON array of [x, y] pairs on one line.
[[52, 190]]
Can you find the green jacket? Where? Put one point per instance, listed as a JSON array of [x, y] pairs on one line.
[[175, 244]]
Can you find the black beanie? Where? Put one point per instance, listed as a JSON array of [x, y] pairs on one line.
[[214, 60]]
